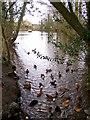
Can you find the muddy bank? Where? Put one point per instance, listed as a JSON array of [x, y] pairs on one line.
[[10, 93]]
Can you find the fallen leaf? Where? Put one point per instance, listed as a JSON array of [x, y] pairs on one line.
[[64, 90], [66, 103], [78, 109]]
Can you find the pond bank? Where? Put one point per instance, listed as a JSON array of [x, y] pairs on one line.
[[10, 93]]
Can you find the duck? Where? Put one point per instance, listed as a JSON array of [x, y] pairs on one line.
[[34, 51], [42, 76], [40, 93], [49, 97], [27, 71], [48, 70], [35, 66], [38, 54], [52, 97], [63, 90], [41, 85], [28, 53], [52, 77], [27, 85], [74, 70], [69, 64], [25, 115], [77, 86], [55, 95], [53, 83], [59, 75], [67, 69]]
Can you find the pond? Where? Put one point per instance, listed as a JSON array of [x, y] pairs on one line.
[[61, 84]]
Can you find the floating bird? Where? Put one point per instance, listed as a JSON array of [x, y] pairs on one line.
[[48, 70], [74, 70], [28, 53], [49, 97], [59, 75], [27, 71], [27, 85], [52, 77], [34, 102], [57, 109], [69, 64], [25, 115], [67, 69], [63, 90], [40, 93], [35, 66], [42, 76], [55, 95], [34, 51], [41, 85], [53, 83], [77, 86]]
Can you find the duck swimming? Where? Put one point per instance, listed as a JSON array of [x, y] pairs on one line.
[[59, 74], [53, 83], [48, 70], [52, 77], [35, 66], [41, 85], [27, 85], [49, 97], [40, 93], [77, 86], [42, 76], [27, 71]]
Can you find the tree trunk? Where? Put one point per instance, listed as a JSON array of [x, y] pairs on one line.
[[19, 22], [7, 47], [88, 42], [70, 17]]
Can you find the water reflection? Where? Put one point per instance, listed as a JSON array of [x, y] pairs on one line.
[[34, 49]]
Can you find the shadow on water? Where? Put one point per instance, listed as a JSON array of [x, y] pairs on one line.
[[62, 86]]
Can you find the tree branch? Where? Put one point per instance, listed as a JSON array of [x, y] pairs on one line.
[[70, 17]]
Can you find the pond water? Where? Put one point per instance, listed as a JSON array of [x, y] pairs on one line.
[[32, 49]]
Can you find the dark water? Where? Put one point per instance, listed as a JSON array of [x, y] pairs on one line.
[[56, 61]]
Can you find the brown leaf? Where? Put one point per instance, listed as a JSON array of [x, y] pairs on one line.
[[78, 109], [64, 90], [66, 103]]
